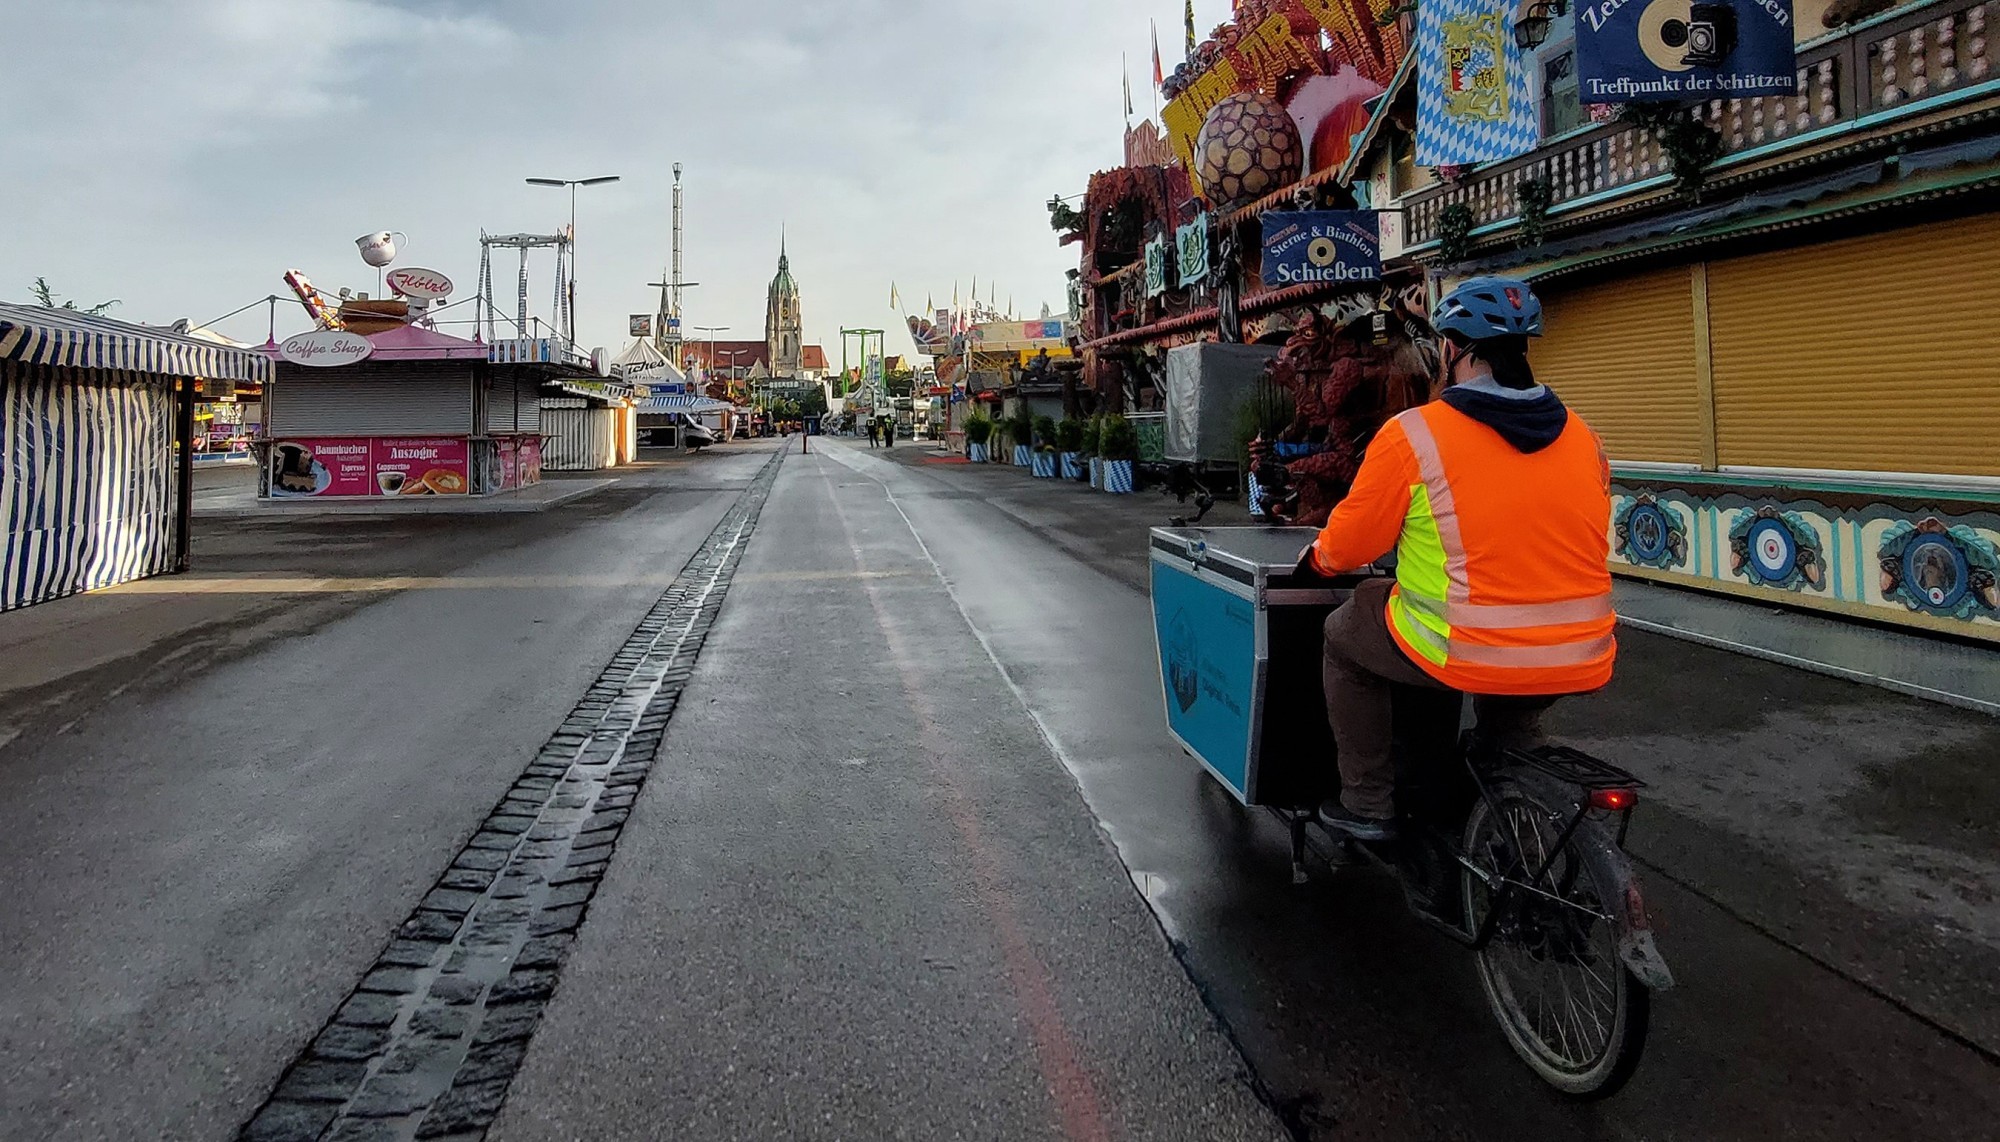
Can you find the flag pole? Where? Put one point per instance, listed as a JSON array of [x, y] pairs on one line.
[[1158, 75], [1125, 71]]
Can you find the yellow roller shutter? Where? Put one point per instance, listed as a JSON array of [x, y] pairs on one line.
[[1872, 354], [1621, 353]]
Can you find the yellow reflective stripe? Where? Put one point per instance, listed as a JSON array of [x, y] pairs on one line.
[[1443, 509], [1560, 654], [1420, 554]]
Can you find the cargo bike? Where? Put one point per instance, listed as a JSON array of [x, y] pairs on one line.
[[1516, 854]]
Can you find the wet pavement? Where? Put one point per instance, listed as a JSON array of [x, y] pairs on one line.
[[1810, 1007], [908, 852], [224, 791]]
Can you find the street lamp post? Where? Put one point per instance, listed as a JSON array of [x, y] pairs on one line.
[[572, 184]]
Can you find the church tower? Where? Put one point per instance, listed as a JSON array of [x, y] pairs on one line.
[[784, 328]]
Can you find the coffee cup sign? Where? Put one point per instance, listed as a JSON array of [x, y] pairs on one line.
[[424, 285], [325, 348], [378, 249]]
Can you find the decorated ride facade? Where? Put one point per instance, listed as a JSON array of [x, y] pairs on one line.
[[1776, 305], [1258, 121]]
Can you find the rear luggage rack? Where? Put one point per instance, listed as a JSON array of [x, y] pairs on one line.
[[1574, 766]]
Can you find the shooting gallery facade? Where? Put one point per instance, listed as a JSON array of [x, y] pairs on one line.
[[401, 413], [1779, 310], [1777, 306], [97, 425]]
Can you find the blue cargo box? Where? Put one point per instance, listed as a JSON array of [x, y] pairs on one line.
[[1238, 632]]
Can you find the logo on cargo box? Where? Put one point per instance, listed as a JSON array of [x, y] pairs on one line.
[[1182, 678]]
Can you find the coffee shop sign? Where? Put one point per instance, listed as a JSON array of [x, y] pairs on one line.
[[324, 348]]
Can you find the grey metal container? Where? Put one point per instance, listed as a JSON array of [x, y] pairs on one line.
[[1207, 384]]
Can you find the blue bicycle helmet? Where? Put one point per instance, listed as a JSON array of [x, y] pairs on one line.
[[1486, 307]]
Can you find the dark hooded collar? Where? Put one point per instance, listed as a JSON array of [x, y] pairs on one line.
[[1529, 420]]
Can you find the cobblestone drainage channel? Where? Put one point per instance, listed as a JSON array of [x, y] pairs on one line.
[[426, 1046]]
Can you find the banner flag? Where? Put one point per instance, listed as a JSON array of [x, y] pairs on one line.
[[1156, 267], [1191, 251], [1473, 104]]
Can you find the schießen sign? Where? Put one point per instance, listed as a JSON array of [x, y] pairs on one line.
[[1306, 246]]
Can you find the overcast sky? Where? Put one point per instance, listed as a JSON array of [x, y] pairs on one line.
[[182, 154]]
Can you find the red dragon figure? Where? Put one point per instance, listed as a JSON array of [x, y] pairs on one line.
[[1345, 383]]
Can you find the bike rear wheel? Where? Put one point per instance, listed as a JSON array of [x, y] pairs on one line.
[[1551, 972]]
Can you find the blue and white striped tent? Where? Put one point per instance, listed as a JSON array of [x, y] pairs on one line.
[[39, 335], [683, 402], [90, 491]]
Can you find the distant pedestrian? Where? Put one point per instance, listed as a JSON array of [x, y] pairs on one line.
[[874, 437], [888, 434]]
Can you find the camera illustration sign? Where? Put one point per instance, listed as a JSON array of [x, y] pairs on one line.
[[1303, 246], [1644, 50]]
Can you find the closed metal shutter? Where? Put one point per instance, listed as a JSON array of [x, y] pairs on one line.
[[1622, 354], [1872, 354], [513, 405], [429, 403]]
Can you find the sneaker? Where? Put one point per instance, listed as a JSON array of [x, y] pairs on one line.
[[1339, 817]]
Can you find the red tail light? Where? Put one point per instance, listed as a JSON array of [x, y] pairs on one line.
[[1613, 800]]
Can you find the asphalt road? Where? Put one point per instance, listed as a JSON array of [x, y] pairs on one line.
[[915, 859], [223, 791], [859, 899], [1801, 1014]]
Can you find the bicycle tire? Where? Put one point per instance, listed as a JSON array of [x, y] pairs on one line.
[[1609, 1067]]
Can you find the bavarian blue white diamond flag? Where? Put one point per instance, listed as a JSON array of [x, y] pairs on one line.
[[1472, 84]]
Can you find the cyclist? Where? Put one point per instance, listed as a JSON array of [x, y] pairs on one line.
[[1496, 500]]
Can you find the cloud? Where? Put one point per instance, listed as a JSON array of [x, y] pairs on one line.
[[182, 155]]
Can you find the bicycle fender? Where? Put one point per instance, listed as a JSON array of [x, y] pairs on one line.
[[1636, 949]]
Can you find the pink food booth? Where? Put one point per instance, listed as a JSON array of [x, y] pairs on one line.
[[402, 413]]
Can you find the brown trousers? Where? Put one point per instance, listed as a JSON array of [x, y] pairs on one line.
[[1362, 663]]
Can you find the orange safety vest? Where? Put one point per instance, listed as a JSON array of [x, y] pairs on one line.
[[1503, 583]]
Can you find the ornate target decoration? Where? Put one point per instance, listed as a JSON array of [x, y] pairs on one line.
[[1776, 549], [1934, 569], [1651, 534]]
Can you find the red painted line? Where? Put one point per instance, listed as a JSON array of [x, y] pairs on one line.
[[1056, 1053]]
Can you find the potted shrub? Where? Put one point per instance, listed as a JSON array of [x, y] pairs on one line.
[[1045, 448], [1119, 442], [1021, 429], [978, 430], [1069, 442]]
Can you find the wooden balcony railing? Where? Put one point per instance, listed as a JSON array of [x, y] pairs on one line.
[[1905, 62]]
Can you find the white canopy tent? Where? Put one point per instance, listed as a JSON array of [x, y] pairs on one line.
[[642, 364]]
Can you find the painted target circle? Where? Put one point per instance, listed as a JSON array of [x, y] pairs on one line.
[[1936, 572], [1773, 551], [1647, 525], [1321, 252]]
